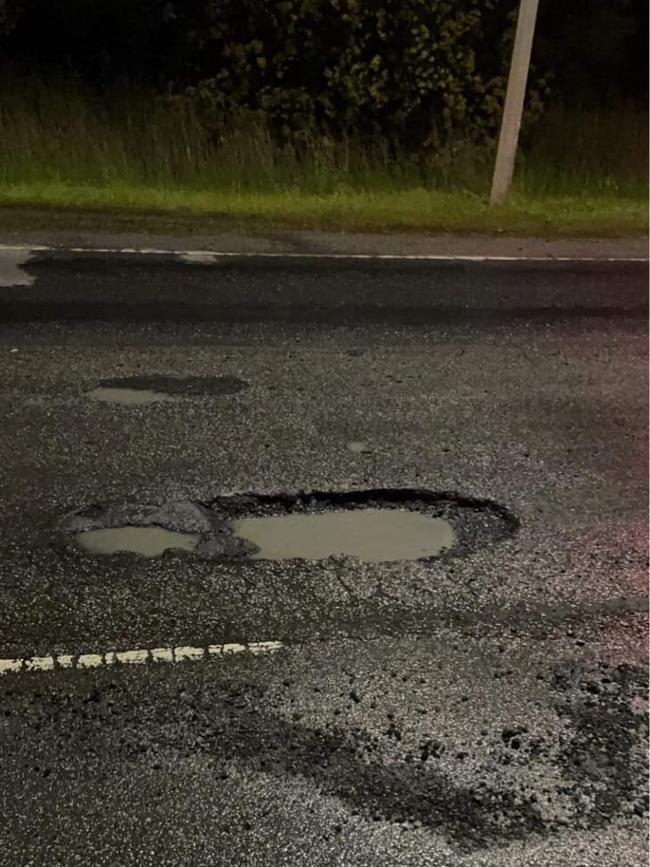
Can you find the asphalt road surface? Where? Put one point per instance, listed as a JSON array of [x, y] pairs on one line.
[[485, 707]]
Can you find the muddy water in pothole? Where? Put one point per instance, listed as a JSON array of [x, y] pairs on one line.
[[130, 396], [372, 535], [146, 541]]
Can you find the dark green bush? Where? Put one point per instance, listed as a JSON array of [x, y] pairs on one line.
[[415, 72], [407, 74]]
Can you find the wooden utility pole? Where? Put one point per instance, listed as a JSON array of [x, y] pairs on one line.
[[514, 104]]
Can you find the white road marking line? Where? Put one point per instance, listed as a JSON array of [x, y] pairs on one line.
[[130, 657], [162, 654], [40, 663], [89, 660], [258, 647], [181, 653], [137, 656], [205, 256], [198, 258], [9, 665]]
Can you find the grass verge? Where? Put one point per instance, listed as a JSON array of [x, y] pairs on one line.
[[142, 157], [418, 210]]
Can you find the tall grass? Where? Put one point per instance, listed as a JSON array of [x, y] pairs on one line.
[[575, 150], [53, 132], [57, 132]]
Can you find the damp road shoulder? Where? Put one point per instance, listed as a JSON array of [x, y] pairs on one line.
[[44, 284]]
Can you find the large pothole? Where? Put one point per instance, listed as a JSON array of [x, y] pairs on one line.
[[370, 535], [381, 525]]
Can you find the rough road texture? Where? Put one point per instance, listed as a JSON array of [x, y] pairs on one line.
[[176, 233], [489, 709]]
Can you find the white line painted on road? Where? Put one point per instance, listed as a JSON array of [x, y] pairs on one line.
[[193, 257], [207, 256], [138, 656], [89, 660], [181, 653], [162, 654], [9, 665], [39, 663]]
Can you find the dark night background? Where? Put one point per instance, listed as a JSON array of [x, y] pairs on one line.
[[297, 61]]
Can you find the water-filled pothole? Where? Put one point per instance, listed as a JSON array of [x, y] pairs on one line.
[[380, 525], [145, 541], [135, 390], [130, 396], [370, 535]]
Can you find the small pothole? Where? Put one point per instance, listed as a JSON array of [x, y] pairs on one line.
[[139, 390], [131, 396], [145, 541]]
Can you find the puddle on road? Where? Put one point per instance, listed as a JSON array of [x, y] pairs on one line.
[[146, 541], [44, 401], [11, 271], [371, 535], [131, 396], [155, 388]]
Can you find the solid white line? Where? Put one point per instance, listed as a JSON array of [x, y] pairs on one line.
[[207, 255], [138, 656]]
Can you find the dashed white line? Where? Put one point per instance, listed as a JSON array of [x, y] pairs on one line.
[[137, 656]]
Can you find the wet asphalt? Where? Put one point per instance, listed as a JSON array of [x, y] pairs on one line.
[[483, 708]]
